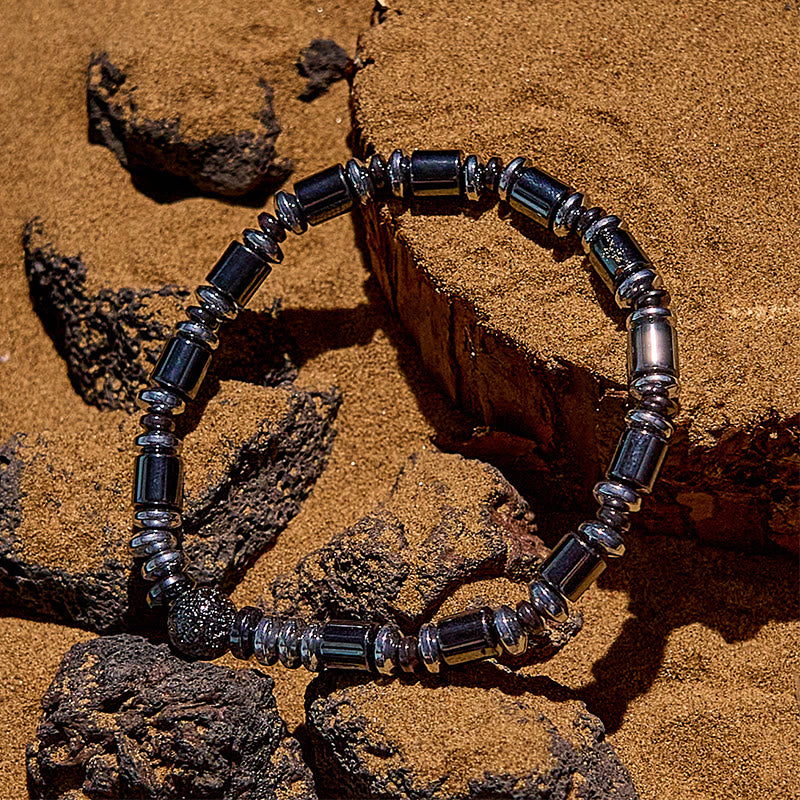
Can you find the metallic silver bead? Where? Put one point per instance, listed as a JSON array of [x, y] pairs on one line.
[[289, 638], [386, 655], [567, 213], [615, 518], [290, 213], [641, 450], [347, 645], [509, 629], [547, 601], [310, 644], [597, 227], [218, 303], [160, 401], [167, 590], [163, 564], [473, 177], [199, 333], [531, 622], [428, 647], [265, 640], [160, 442], [359, 180], [652, 343], [263, 245], [398, 171], [152, 541], [508, 176], [468, 636], [603, 538], [655, 383], [617, 495], [636, 284]]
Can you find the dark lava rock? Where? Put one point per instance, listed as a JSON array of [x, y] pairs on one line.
[[323, 62], [487, 736], [126, 718], [110, 339], [229, 163]]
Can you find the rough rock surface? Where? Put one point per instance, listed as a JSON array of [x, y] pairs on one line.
[[323, 62], [448, 524], [110, 338], [512, 322], [483, 736], [225, 162], [126, 718], [250, 463]]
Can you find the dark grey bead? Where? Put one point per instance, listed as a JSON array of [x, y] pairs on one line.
[[182, 365], [428, 648], [614, 518], [378, 174], [204, 316], [359, 181], [263, 245], [162, 565], [641, 450], [567, 213], [197, 332], [536, 194], [158, 422], [614, 253], [290, 213], [386, 652], [572, 567], [218, 303], [160, 401], [238, 273], [530, 620], [652, 344], [199, 623], [510, 630], [398, 172], [617, 495], [548, 603], [289, 637], [168, 590], [159, 442], [311, 647], [587, 218], [472, 178], [407, 655], [435, 173], [469, 636], [591, 225], [602, 537], [265, 640], [509, 175], [271, 226], [151, 541], [491, 174], [157, 518], [347, 645], [324, 195], [243, 630], [158, 480]]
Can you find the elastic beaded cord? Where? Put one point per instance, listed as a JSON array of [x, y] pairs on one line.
[[203, 623]]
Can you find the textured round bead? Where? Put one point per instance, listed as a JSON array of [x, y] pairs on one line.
[[428, 647], [310, 647], [548, 602], [387, 641], [509, 629], [199, 623]]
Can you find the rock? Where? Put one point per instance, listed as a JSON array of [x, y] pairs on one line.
[[111, 338], [182, 144], [250, 462], [482, 736], [126, 718], [323, 62], [513, 323]]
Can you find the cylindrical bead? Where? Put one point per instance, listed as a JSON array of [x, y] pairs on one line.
[[158, 480], [238, 273], [243, 630], [652, 344], [572, 567], [435, 173], [324, 195], [612, 250], [469, 636], [347, 645], [536, 195], [641, 450], [182, 365]]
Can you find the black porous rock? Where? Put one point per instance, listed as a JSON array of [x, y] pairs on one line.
[[199, 623], [487, 736], [110, 339], [228, 163], [126, 718], [323, 62]]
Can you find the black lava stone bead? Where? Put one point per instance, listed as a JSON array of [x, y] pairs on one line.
[[199, 623]]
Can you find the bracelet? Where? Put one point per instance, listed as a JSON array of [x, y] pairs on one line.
[[203, 623]]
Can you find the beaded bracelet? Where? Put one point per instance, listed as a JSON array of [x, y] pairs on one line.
[[203, 623]]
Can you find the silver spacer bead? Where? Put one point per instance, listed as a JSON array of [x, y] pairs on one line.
[[509, 629], [568, 212], [153, 541], [472, 171], [635, 285], [265, 640], [602, 538], [359, 181], [547, 601], [428, 647], [655, 383], [159, 401], [397, 172], [289, 637], [596, 227], [160, 442], [617, 495], [310, 647], [198, 333], [509, 175], [262, 245], [217, 303], [157, 518], [290, 213], [163, 565], [385, 652]]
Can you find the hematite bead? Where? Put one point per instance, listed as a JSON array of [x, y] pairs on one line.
[[398, 173], [265, 640], [199, 623], [613, 252], [407, 655], [217, 303], [567, 213], [157, 422], [641, 450], [262, 245], [587, 218], [536, 194], [377, 173], [652, 345], [271, 226], [472, 178], [160, 401], [510, 630], [428, 647], [158, 480], [152, 541], [197, 332], [386, 655], [548, 603], [289, 638], [157, 518], [509, 175], [634, 283], [359, 181], [159, 442], [168, 590], [162, 565], [310, 645], [572, 567], [530, 620], [469, 636], [347, 645], [242, 631], [614, 518], [182, 365], [324, 195], [238, 273], [204, 316], [290, 213], [602, 537], [435, 173], [617, 495], [492, 173]]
